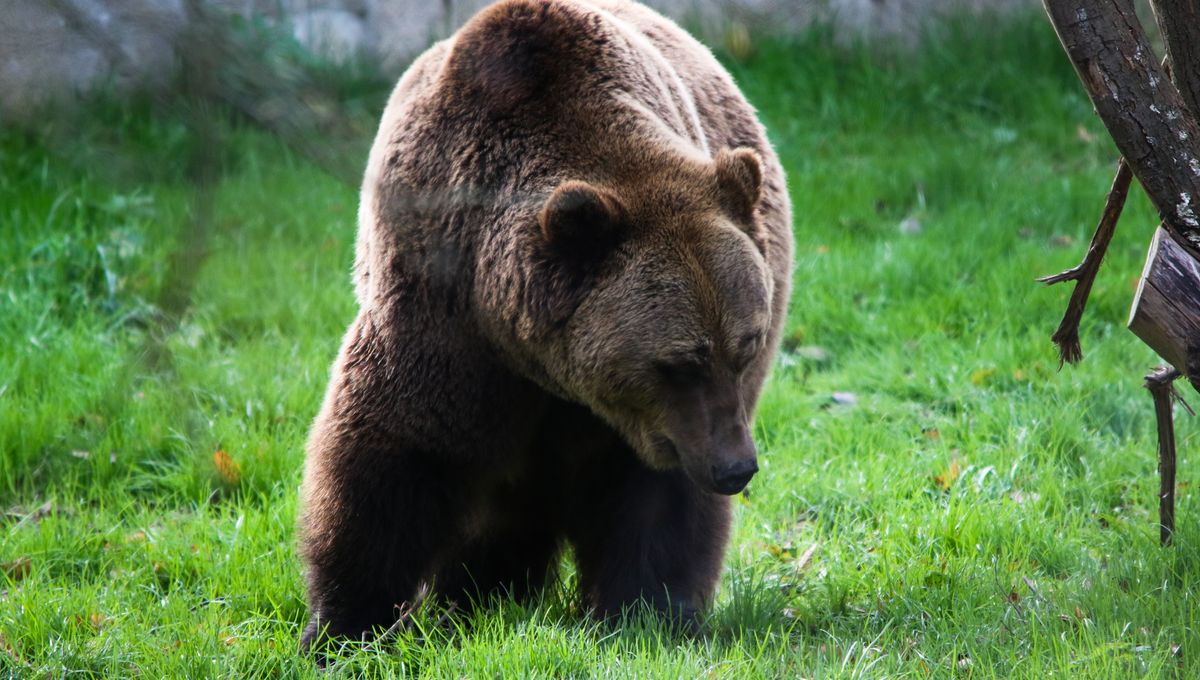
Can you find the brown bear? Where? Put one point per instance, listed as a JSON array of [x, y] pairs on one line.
[[573, 265]]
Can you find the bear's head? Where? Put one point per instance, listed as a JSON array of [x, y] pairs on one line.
[[662, 302]]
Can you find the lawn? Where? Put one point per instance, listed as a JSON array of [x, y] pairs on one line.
[[962, 508]]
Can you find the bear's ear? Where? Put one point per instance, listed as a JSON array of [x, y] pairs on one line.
[[739, 181], [582, 220]]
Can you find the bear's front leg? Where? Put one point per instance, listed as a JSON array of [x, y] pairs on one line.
[[375, 511], [652, 537], [369, 532]]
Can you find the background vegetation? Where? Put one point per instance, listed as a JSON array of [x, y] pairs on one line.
[[936, 499]]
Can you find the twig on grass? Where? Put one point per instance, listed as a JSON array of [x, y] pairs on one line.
[[403, 619], [1084, 274], [445, 615]]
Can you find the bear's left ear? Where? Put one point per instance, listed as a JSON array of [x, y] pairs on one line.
[[581, 220], [580, 224], [739, 181]]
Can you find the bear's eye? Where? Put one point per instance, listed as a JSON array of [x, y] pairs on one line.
[[750, 341], [684, 368], [748, 348]]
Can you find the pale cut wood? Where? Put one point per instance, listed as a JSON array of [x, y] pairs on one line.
[[1166, 308]]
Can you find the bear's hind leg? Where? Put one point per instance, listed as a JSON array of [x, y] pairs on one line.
[[514, 563]]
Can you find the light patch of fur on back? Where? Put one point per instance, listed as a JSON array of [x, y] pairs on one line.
[[682, 93], [679, 144]]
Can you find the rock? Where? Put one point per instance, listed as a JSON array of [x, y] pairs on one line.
[[46, 54], [334, 34], [845, 398]]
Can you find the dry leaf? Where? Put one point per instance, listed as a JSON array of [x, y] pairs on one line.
[[1083, 135], [35, 515], [946, 479], [8, 649], [227, 468], [17, 569], [780, 552], [94, 620], [981, 375], [806, 558], [931, 433]]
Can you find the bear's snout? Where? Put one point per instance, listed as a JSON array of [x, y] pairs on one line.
[[731, 479], [707, 428]]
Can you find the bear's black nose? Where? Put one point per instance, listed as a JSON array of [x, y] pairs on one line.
[[731, 479]]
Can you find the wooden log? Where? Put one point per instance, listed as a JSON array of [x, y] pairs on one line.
[[1143, 111], [1166, 308]]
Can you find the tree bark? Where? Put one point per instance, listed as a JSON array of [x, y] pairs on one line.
[[1179, 22], [1143, 111]]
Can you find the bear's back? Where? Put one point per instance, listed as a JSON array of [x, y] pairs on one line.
[[527, 94], [549, 77]]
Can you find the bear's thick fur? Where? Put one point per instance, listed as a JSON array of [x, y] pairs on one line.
[[573, 265]]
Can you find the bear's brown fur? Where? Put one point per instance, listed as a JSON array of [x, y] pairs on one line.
[[573, 266]]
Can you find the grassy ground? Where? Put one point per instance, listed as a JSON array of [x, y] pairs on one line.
[[973, 513]]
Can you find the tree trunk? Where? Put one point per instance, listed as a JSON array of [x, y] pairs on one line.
[[1179, 22], [1143, 111]]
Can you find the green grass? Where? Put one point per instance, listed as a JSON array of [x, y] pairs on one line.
[[1038, 558]]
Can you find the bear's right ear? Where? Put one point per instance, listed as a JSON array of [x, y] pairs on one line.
[[582, 220], [739, 180]]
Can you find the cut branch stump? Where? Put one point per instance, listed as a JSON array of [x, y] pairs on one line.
[[1159, 383]]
